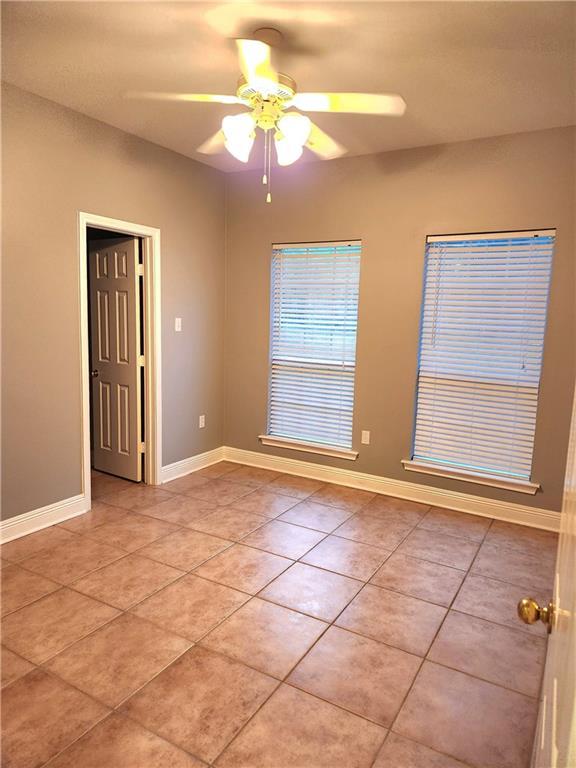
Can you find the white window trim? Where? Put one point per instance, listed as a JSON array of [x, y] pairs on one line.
[[481, 478], [299, 445]]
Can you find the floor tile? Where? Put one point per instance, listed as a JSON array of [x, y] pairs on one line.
[[113, 662], [313, 733], [181, 510], [392, 618], [229, 523], [490, 651], [419, 578], [41, 716], [98, 515], [391, 508], [128, 581], [319, 593], [49, 625], [118, 742], [521, 537], [184, 549], [131, 533], [350, 499], [13, 666], [262, 502], [66, 563], [220, 492], [102, 484], [220, 469], [255, 476], [439, 548], [358, 674], [320, 517], [516, 567], [26, 546], [244, 568], [191, 607], [294, 485], [399, 752], [20, 587], [378, 531], [442, 712], [185, 483], [265, 636], [496, 601], [461, 524], [350, 558], [284, 539], [201, 701], [138, 498]]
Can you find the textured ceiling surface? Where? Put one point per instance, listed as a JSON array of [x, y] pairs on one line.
[[466, 69]]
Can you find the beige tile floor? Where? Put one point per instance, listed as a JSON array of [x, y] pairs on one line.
[[240, 618]]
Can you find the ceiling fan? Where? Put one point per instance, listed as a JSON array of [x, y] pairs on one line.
[[268, 95]]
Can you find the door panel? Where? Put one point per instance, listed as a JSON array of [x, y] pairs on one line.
[[115, 353], [555, 744]]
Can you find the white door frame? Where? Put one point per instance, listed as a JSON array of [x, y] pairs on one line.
[[152, 342]]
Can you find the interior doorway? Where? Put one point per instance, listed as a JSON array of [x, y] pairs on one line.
[[116, 352], [120, 338]]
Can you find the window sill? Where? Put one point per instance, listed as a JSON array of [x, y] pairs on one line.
[[522, 486], [298, 445]]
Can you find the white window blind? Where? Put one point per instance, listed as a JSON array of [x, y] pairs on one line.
[[482, 337], [314, 311]]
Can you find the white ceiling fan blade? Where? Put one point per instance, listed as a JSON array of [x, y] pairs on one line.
[[255, 64], [212, 145], [203, 97], [359, 103], [323, 145]]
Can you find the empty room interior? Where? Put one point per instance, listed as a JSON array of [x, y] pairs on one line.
[[288, 417]]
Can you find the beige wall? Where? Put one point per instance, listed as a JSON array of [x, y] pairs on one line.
[[56, 163], [392, 201]]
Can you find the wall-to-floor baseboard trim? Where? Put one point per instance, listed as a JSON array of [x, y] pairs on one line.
[[436, 497], [36, 519], [29, 522], [184, 467]]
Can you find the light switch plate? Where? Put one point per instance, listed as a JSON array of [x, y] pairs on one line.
[[201, 421], [365, 437], [178, 324]]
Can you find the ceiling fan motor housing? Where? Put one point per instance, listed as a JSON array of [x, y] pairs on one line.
[[285, 89]]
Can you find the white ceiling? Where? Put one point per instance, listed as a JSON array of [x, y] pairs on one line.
[[466, 69]]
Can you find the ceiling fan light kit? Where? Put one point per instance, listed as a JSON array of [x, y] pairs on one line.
[[268, 94]]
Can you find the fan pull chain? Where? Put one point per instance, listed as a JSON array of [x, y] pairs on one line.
[[269, 170], [265, 176]]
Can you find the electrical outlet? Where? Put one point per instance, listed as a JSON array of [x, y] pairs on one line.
[[365, 437], [201, 421], [177, 324]]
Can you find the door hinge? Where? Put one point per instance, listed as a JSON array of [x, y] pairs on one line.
[[142, 447], [140, 270], [141, 360]]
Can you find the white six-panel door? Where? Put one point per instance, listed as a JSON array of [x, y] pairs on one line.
[[115, 357], [555, 744]]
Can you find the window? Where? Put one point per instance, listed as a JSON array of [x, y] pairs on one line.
[[482, 337], [314, 311]]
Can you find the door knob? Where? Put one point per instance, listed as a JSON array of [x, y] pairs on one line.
[[530, 612], [94, 373]]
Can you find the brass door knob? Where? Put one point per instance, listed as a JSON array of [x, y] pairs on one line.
[[530, 612]]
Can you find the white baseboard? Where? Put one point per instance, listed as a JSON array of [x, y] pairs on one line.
[[35, 520], [29, 522], [436, 497], [184, 467]]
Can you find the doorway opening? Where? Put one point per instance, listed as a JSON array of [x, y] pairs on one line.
[[120, 340]]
